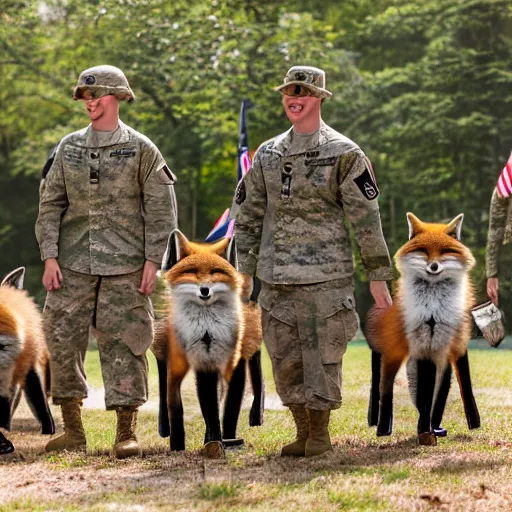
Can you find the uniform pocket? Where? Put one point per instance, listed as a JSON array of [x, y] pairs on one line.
[[139, 329], [337, 323]]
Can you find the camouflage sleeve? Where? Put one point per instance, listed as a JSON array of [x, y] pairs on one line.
[[359, 194], [251, 198], [159, 203], [53, 203], [496, 233]]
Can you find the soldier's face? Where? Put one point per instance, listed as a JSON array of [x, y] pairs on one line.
[[300, 108], [97, 108]]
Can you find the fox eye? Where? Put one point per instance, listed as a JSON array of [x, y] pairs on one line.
[[219, 271], [191, 270], [450, 251], [421, 249]]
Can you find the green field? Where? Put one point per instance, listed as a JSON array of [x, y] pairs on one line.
[[466, 471]]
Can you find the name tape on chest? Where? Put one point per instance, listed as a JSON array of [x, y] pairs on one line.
[[123, 153], [321, 162], [367, 185]]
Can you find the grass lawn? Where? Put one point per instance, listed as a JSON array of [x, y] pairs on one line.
[[466, 471]]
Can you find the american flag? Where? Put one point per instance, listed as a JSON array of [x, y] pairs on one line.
[[225, 225], [504, 185]]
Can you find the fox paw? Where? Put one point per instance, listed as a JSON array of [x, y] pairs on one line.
[[427, 439], [214, 450]]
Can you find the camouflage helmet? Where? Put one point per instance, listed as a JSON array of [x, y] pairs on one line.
[[102, 81], [309, 77]]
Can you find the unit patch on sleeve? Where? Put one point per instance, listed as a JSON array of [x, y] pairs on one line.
[[240, 193], [367, 185]]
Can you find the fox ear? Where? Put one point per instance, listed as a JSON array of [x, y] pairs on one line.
[[220, 247], [177, 249], [415, 225], [454, 228], [14, 278]]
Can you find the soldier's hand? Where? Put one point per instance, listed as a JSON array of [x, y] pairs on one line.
[[492, 289], [148, 282], [380, 294], [52, 277]]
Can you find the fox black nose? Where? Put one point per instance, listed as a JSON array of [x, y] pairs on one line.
[[205, 292], [434, 267]]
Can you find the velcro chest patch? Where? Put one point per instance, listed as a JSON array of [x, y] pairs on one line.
[[123, 153], [367, 185]]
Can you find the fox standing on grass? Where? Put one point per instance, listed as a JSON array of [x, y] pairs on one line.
[[24, 358], [430, 323], [211, 328]]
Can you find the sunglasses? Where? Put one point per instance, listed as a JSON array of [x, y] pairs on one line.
[[297, 90]]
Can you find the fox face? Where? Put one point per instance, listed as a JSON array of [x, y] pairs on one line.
[[202, 276], [203, 279], [434, 251]]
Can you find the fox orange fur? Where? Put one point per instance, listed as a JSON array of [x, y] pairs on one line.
[[24, 358], [212, 328], [429, 323]]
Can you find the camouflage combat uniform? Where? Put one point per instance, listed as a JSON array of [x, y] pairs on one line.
[[291, 232], [500, 231], [106, 207]]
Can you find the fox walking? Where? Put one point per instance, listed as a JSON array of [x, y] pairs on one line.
[[430, 324], [212, 328], [24, 358]]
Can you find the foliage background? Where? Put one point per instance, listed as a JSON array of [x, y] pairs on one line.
[[423, 86]]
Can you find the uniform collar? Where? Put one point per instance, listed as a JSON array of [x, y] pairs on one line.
[[283, 142], [122, 137]]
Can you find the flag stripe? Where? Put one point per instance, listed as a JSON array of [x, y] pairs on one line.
[[504, 184]]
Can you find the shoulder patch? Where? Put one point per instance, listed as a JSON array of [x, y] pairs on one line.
[[240, 193], [166, 176], [367, 185]]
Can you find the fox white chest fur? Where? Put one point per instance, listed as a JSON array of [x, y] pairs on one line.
[[434, 311], [208, 330]]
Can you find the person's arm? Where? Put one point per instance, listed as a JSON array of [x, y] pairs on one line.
[[358, 193], [497, 224], [251, 203], [53, 203], [160, 213]]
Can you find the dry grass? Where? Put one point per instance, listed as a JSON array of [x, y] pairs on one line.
[[466, 471]]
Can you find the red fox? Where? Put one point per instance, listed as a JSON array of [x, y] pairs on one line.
[[24, 359], [429, 323], [212, 328]]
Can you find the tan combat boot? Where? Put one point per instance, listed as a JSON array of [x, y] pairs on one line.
[[298, 447], [126, 442], [73, 439], [319, 440]]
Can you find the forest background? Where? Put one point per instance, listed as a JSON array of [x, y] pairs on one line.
[[423, 86]]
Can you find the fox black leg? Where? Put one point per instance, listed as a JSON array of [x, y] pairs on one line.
[[163, 412], [233, 402], [258, 389], [5, 413], [388, 371], [175, 408], [36, 398], [440, 403], [424, 397], [5, 445], [466, 391], [373, 405]]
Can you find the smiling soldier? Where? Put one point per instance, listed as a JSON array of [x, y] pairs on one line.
[[106, 209], [290, 232]]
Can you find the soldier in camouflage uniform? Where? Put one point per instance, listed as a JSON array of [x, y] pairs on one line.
[[500, 232], [290, 232], [106, 210]]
